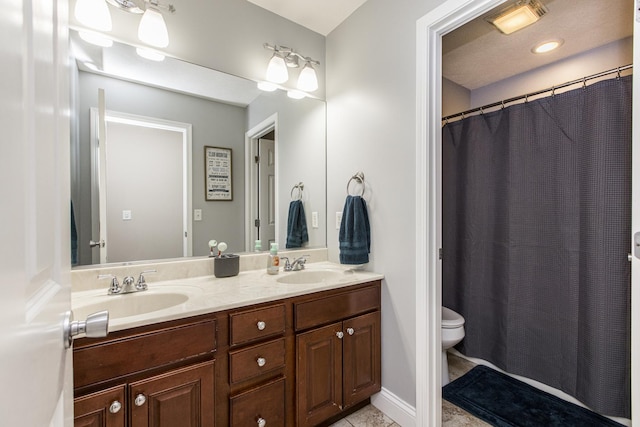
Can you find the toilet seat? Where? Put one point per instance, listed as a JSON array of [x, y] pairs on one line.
[[451, 319]]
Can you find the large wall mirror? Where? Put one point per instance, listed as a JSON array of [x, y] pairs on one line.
[[154, 103]]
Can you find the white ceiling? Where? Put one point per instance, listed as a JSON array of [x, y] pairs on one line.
[[477, 54], [320, 16]]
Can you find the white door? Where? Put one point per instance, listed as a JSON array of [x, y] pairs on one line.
[[35, 368], [266, 193], [635, 226]]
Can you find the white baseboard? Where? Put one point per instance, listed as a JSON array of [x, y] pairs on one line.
[[395, 408]]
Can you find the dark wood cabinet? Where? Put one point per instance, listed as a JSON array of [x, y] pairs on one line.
[[337, 365], [105, 408], [299, 361]]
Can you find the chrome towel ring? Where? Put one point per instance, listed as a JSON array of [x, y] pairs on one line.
[[359, 178], [299, 186]]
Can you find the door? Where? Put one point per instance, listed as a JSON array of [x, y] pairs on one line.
[[35, 217], [183, 397], [319, 374], [635, 224], [266, 193], [361, 358]]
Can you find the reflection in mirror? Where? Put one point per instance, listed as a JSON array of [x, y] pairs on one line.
[[222, 111]]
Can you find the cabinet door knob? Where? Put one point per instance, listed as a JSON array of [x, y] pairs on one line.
[[340, 334], [350, 331], [115, 407], [261, 361], [262, 422], [261, 325], [140, 399]]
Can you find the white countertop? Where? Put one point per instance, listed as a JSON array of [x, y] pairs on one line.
[[208, 294]]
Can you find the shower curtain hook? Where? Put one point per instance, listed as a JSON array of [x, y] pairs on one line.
[[584, 83], [462, 116], [553, 91], [502, 102], [618, 73], [526, 98], [481, 110]]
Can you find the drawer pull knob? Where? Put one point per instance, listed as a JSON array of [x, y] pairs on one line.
[[262, 422], [140, 400], [261, 325], [340, 334], [261, 361], [115, 407], [350, 331]]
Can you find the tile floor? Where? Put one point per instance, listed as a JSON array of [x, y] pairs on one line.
[[452, 416]]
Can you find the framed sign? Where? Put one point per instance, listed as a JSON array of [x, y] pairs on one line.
[[217, 169]]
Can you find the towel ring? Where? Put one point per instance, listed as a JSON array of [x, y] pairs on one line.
[[300, 187], [359, 177]]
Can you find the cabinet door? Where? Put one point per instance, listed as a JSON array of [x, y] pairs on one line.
[[102, 409], [183, 397], [319, 374], [260, 406], [361, 358]]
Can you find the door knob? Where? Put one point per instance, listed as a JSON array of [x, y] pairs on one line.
[[350, 331], [140, 400], [93, 243], [115, 407], [96, 326]]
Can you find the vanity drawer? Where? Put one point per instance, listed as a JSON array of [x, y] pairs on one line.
[[253, 361], [139, 352], [252, 325], [336, 307], [265, 402]]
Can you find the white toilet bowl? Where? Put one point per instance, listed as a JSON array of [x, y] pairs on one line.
[[452, 334]]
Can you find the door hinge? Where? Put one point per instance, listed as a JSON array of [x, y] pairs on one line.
[[256, 159], [185, 234], [256, 222], [439, 253]]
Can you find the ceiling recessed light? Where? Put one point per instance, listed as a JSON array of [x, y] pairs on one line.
[[547, 46]]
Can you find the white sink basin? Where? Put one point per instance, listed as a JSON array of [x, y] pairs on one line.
[[132, 304], [309, 276]]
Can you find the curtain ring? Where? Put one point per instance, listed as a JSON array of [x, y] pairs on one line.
[[526, 98], [481, 110], [462, 116], [502, 102], [584, 83], [618, 73], [553, 91]]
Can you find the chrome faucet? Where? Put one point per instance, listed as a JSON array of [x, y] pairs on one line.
[[129, 284], [296, 265]]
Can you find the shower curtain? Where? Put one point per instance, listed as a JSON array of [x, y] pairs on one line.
[[536, 231]]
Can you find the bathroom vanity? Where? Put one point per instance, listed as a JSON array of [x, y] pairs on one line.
[[301, 354]]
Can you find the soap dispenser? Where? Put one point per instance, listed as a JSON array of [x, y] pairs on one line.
[[273, 262]]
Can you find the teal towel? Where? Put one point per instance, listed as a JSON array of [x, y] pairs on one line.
[[297, 234], [355, 235]]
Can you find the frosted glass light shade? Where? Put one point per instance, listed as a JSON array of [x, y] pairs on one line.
[[152, 29], [277, 69], [516, 19], [94, 14], [308, 80]]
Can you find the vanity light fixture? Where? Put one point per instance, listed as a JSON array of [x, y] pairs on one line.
[[517, 16], [152, 29], [94, 14], [284, 58], [547, 46]]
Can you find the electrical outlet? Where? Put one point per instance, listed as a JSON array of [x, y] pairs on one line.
[[126, 215], [338, 220], [197, 214], [314, 219]]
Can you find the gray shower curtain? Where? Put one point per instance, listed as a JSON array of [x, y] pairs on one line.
[[536, 231]]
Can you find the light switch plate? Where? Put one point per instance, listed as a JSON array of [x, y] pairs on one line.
[[197, 214], [314, 219], [338, 220], [126, 215]]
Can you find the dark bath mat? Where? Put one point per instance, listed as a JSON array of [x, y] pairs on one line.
[[503, 401]]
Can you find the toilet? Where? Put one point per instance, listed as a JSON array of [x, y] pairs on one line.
[[452, 334]]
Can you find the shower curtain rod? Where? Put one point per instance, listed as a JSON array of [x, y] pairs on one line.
[[502, 103]]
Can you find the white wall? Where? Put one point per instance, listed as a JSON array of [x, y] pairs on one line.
[[371, 126], [455, 98]]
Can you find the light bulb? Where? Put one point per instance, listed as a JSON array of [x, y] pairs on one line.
[[152, 29], [277, 69], [94, 14], [308, 81]]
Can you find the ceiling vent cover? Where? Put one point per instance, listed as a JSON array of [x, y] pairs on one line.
[[517, 16]]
